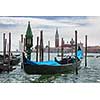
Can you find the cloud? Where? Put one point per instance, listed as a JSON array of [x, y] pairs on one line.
[[40, 21], [66, 25]]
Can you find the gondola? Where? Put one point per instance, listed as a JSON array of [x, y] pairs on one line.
[[49, 67], [6, 68], [13, 61]]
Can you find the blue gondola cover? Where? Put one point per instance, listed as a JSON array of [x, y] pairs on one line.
[[49, 63]]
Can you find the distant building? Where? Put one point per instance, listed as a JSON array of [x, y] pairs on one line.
[[67, 45], [93, 49], [67, 49], [56, 50], [56, 39]]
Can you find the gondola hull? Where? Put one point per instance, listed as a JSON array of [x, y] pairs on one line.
[[46, 69]]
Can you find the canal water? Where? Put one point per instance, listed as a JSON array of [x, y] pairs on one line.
[[89, 74]]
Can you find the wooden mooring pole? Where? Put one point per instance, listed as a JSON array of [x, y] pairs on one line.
[[22, 48], [9, 52], [5, 45], [4, 48], [24, 44], [85, 50], [72, 43], [76, 50], [48, 50], [62, 48], [21, 38], [41, 45], [58, 51], [37, 49]]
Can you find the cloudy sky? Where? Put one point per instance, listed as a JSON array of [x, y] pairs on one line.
[[85, 25]]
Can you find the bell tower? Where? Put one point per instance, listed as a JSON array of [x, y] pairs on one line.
[[56, 39], [29, 41]]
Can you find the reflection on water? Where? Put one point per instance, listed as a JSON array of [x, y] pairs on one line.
[[90, 74]]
